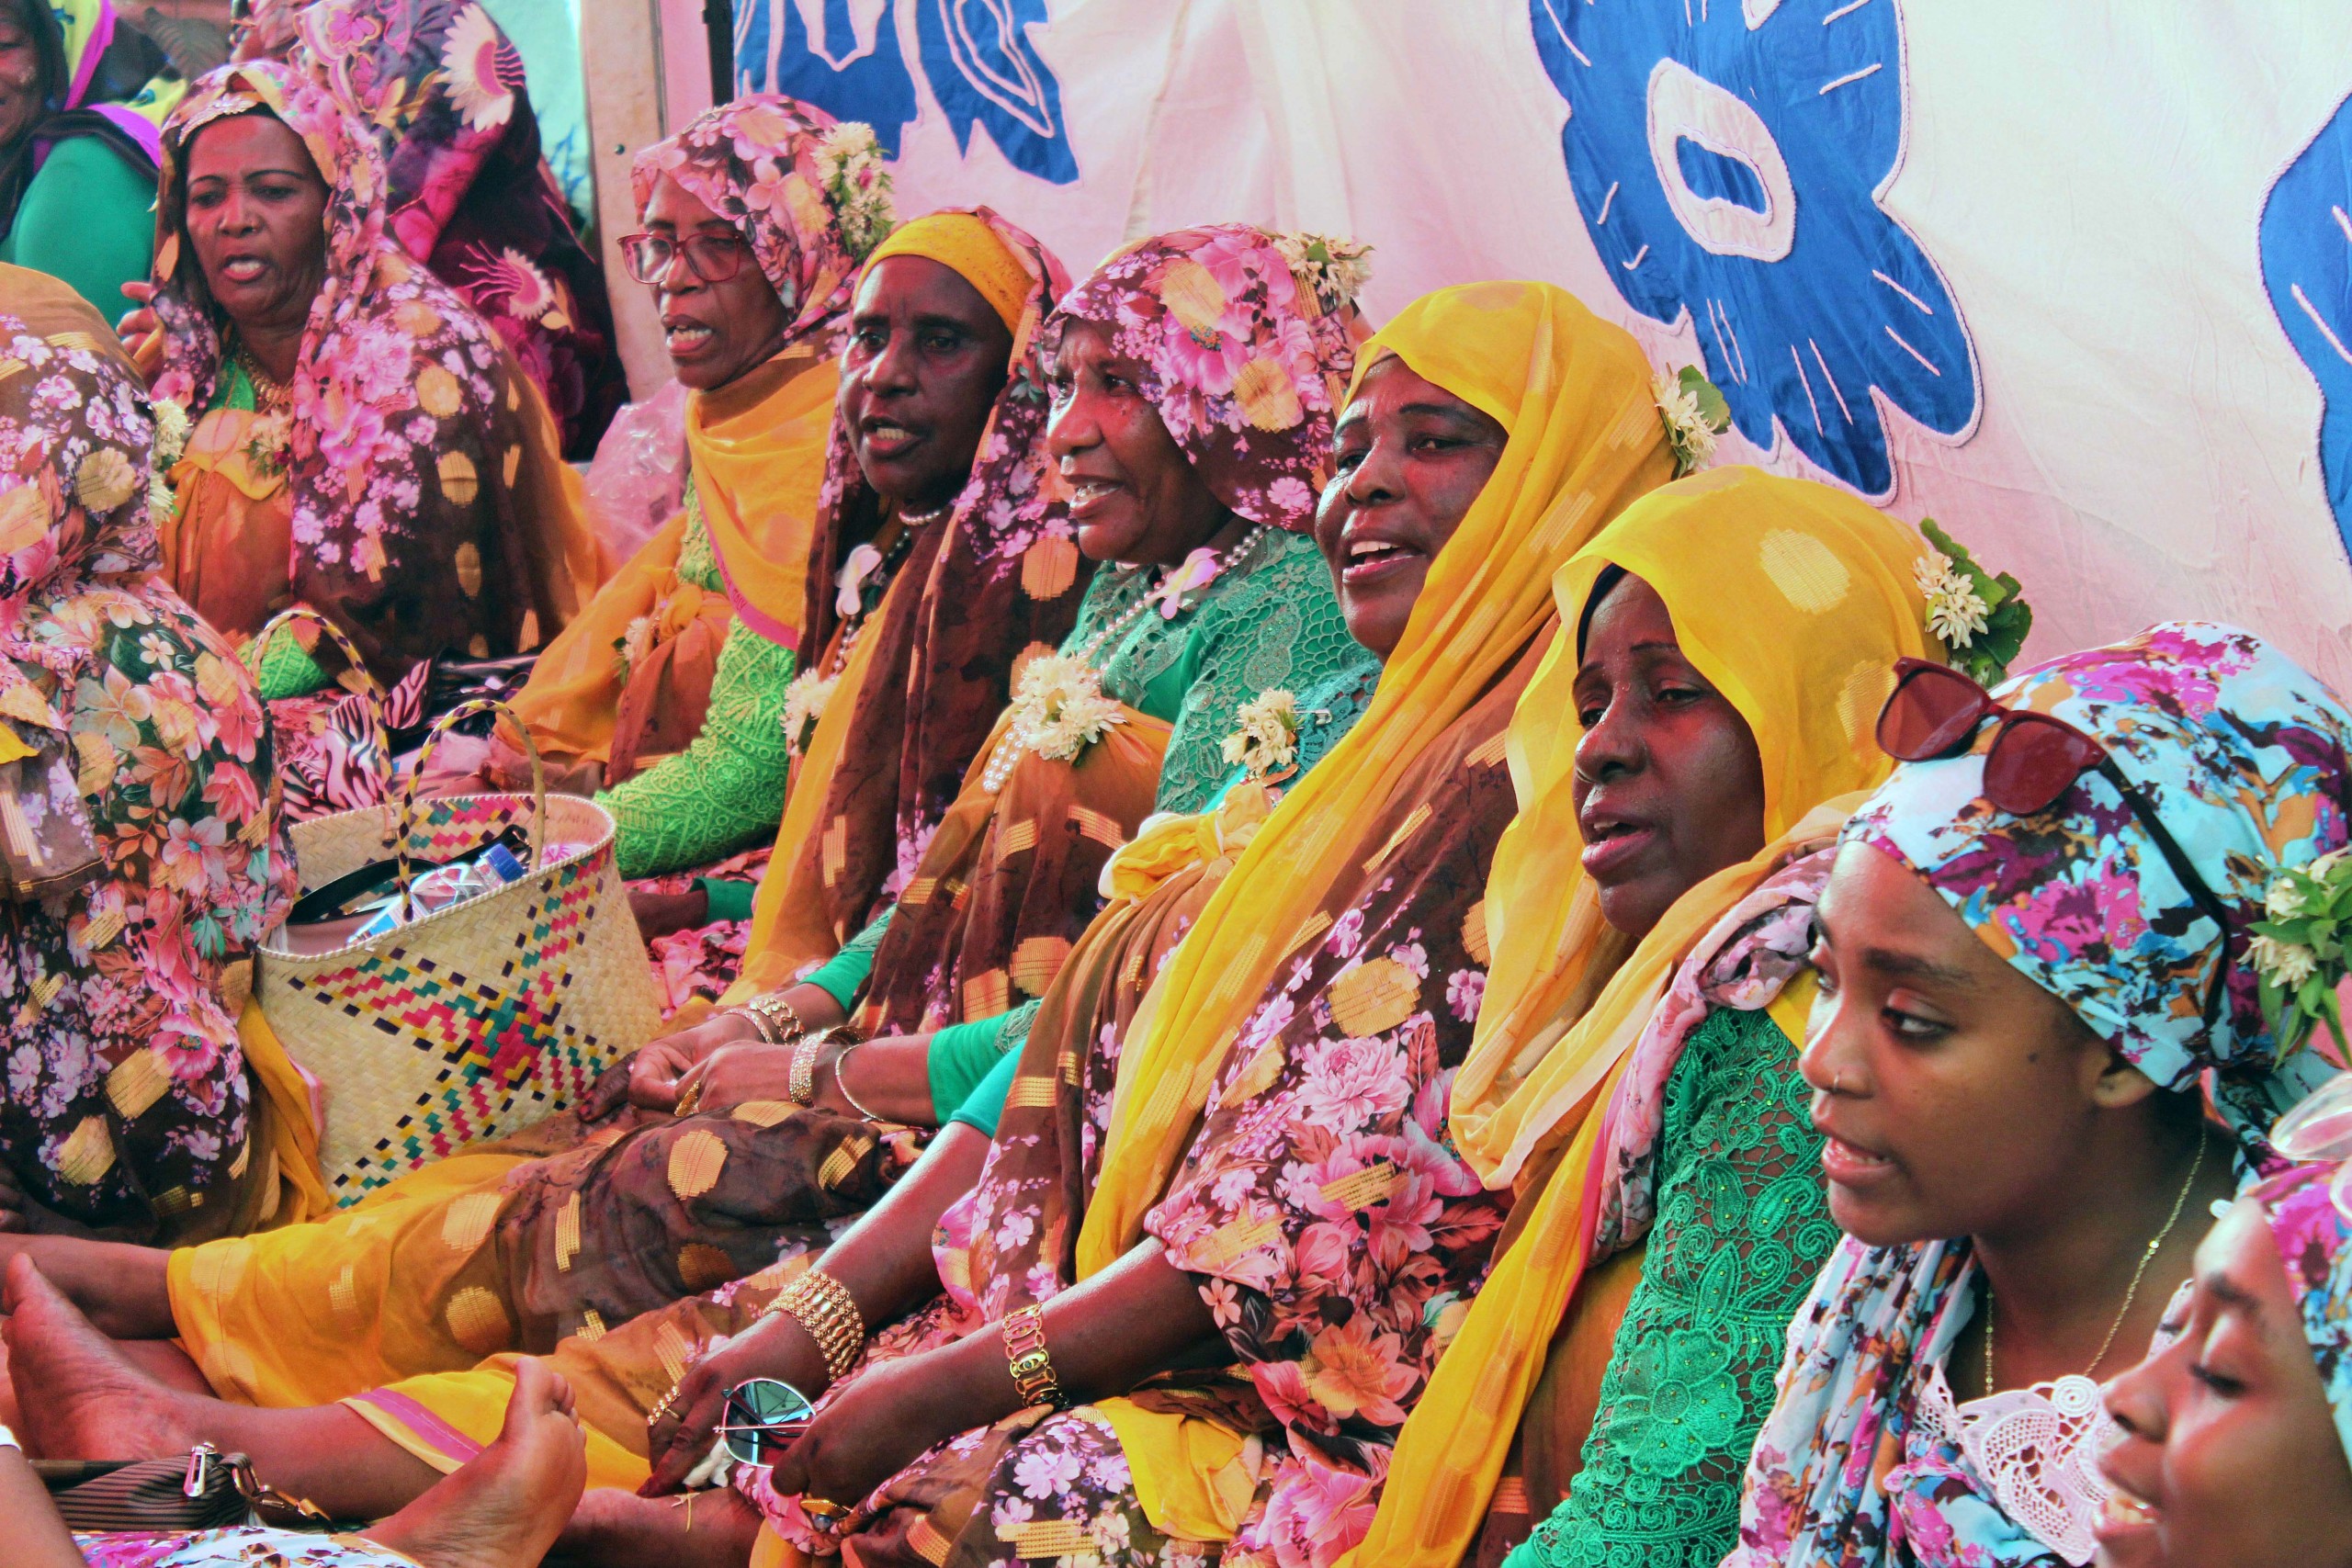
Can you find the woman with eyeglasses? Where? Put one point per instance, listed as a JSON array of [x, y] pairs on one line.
[[2039, 1058], [670, 691], [338, 429]]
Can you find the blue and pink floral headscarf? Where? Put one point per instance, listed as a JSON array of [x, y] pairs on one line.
[[2242, 756], [1245, 360]]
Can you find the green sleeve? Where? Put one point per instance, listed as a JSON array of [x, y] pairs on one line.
[[729, 899], [963, 1055], [88, 219], [984, 1107], [1279, 625], [1742, 1230], [844, 976], [727, 787]]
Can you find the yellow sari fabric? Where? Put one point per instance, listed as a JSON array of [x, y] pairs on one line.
[[1584, 440], [757, 446], [1793, 599]]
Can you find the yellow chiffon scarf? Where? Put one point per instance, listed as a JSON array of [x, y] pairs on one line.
[[790, 930], [757, 448], [1794, 601], [1585, 439]]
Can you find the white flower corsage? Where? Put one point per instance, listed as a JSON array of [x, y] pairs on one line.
[[2300, 949], [1982, 619], [1694, 412], [804, 705], [630, 648], [1266, 742], [859, 183], [1058, 709], [1336, 270]]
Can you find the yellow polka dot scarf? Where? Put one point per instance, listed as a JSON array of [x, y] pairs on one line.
[[1793, 599]]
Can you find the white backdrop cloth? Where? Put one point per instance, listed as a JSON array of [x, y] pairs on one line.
[[2076, 280]]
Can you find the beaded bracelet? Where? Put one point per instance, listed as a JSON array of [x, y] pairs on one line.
[[822, 1305]]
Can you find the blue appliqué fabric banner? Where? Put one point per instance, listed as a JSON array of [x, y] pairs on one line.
[[978, 56], [1727, 158], [2307, 267]]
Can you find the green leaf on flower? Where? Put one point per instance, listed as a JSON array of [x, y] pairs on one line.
[[1710, 398]]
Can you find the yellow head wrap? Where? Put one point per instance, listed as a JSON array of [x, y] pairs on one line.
[[1793, 599], [1573, 394], [978, 255]]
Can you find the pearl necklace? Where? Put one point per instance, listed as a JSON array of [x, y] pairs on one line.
[[1171, 597]]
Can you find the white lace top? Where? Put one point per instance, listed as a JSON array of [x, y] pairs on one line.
[[2036, 1449]]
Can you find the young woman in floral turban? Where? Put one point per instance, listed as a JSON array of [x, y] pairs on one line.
[[2040, 1054]]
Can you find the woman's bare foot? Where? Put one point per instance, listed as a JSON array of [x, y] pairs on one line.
[[506, 1506], [76, 1396], [620, 1529]]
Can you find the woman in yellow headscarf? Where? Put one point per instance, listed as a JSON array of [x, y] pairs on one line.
[[1793, 601]]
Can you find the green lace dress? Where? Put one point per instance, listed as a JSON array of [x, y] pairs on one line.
[[725, 791], [1270, 620], [1743, 1228]]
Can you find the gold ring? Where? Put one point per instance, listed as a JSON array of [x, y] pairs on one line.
[[689, 1099], [661, 1406], [823, 1515]]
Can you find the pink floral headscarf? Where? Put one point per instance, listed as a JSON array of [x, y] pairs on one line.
[[393, 363], [1245, 361], [2305, 1206], [758, 163]]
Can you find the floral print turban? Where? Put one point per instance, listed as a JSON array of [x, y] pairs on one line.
[[761, 162], [1245, 361], [2314, 1238], [392, 363], [2242, 756]]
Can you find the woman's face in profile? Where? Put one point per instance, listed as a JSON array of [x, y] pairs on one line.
[[2230, 1456], [256, 217]]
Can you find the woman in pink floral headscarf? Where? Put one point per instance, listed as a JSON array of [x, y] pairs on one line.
[[361, 444]]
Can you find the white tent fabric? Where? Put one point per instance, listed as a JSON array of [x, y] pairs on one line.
[[2076, 280]]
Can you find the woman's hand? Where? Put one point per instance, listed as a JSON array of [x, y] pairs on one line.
[[659, 1066], [138, 321], [882, 1422], [776, 1347], [734, 1075]]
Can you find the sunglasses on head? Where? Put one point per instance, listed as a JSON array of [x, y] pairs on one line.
[[760, 1418], [2032, 760]]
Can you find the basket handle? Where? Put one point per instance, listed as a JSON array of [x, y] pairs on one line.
[[440, 728], [373, 689]]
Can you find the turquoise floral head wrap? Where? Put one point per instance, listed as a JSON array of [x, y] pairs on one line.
[[2239, 752]]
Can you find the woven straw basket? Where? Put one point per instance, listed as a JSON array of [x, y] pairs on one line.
[[474, 1020]]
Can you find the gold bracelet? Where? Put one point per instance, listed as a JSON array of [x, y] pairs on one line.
[[843, 1084], [1032, 1367], [801, 1084], [770, 1006], [760, 1025], [822, 1305]]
